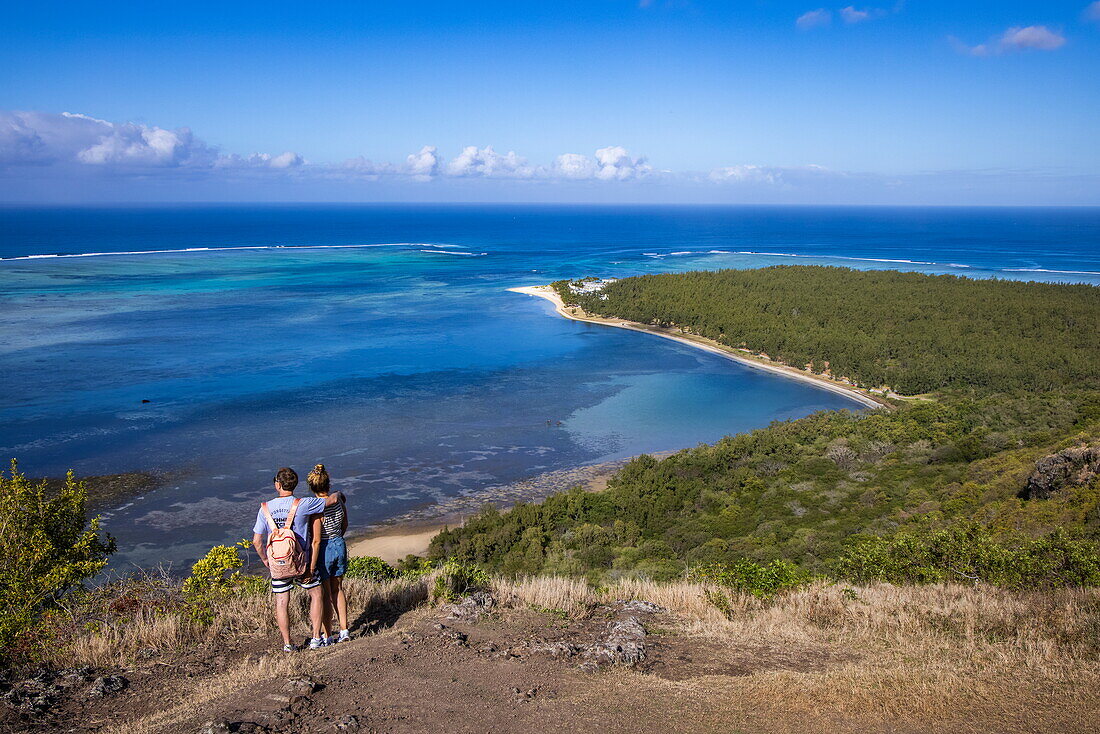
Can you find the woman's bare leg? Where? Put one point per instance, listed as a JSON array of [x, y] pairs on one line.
[[326, 613], [340, 599]]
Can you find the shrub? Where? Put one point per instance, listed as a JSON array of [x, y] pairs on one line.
[[214, 578], [968, 552], [371, 568], [47, 547], [413, 567], [760, 580], [458, 579]]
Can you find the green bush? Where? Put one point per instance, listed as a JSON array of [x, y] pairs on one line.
[[763, 581], [968, 552], [47, 547], [371, 568], [215, 578], [413, 567], [459, 579]]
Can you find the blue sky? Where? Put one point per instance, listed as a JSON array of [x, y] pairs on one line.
[[778, 102]]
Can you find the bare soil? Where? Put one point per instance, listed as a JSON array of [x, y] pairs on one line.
[[510, 670]]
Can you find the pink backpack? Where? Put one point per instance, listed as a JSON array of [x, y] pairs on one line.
[[285, 557]]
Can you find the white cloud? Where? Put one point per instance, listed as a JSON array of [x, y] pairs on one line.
[[1037, 37], [1092, 12], [1032, 37], [615, 164], [770, 177], [574, 165], [814, 19], [851, 15], [72, 141], [40, 137], [288, 159], [425, 164], [746, 173], [360, 167], [474, 161]]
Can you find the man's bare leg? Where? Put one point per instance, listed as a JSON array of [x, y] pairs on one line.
[[282, 615]]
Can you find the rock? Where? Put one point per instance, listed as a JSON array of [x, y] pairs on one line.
[[622, 644], [1072, 467], [251, 727], [106, 685], [347, 723], [560, 649], [521, 695], [215, 727], [639, 606], [471, 607], [301, 685], [146, 653]]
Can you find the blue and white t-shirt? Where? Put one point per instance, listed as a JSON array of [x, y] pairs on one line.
[[280, 508]]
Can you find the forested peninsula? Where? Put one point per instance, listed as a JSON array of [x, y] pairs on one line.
[[992, 477]]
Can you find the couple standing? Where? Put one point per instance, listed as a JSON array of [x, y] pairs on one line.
[[301, 542]]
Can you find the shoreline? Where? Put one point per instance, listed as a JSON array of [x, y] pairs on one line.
[[412, 532], [707, 345]]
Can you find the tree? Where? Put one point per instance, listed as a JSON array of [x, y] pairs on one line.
[[47, 547]]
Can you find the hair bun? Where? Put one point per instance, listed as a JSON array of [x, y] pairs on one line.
[[319, 467]]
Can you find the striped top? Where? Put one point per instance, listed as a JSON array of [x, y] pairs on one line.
[[332, 520]]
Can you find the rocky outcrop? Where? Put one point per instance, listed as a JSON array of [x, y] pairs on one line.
[[471, 608], [1072, 467]]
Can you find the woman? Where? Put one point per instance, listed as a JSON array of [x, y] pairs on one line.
[[334, 553]]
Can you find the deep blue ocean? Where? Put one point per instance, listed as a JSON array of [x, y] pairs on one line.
[[381, 340]]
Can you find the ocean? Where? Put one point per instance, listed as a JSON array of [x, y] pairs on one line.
[[381, 341]]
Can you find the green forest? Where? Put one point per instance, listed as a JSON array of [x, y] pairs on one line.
[[911, 332], [1011, 370]]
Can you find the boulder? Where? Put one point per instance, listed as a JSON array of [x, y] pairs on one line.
[[471, 608], [1072, 467]]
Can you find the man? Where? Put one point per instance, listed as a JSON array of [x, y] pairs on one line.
[[308, 507]]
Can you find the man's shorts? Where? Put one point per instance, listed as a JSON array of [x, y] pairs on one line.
[[281, 586], [334, 558]]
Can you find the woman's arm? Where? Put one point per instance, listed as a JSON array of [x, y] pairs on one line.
[[344, 524], [315, 538]]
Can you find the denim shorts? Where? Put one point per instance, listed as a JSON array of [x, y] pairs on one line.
[[334, 558]]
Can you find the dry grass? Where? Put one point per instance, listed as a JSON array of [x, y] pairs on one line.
[[876, 653], [193, 699], [116, 642], [929, 651]]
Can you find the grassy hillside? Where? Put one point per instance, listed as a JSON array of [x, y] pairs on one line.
[[1016, 370]]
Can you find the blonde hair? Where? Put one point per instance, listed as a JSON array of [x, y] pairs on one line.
[[318, 480]]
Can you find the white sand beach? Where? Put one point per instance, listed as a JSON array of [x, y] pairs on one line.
[[709, 345]]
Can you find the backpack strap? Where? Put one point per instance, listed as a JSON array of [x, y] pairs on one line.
[[290, 515], [271, 526]]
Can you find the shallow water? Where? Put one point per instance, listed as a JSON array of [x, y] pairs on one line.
[[407, 368]]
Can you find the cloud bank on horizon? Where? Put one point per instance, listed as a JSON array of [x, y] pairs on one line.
[[68, 141], [94, 154]]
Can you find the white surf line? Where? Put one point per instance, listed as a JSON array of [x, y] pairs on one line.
[[545, 291], [229, 248]]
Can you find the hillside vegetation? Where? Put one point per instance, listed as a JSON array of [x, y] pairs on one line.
[[1014, 368], [912, 332]]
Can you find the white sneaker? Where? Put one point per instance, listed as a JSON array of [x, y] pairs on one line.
[[290, 648], [316, 643], [344, 636]]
